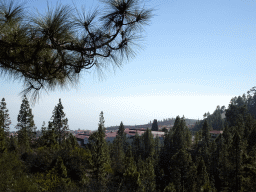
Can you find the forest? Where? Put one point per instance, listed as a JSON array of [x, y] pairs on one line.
[[55, 161]]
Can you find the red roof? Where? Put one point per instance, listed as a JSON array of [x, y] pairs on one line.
[[113, 134], [81, 136]]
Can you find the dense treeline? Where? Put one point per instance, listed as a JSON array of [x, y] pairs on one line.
[[239, 107], [55, 161]]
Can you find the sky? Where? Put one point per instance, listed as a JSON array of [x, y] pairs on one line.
[[195, 55]]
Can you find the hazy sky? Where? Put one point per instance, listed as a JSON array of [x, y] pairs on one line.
[[195, 55]]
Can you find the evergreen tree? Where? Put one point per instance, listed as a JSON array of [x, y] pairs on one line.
[[202, 178], [234, 111], [224, 165], [137, 146], [196, 140], [154, 125], [51, 137], [252, 140], [131, 177], [251, 102], [13, 146], [163, 172], [205, 133], [147, 174], [47, 51], [121, 129], [148, 148], [118, 156], [26, 125], [71, 142], [42, 140], [236, 152], [100, 155], [188, 137], [179, 135], [158, 146], [122, 135], [6, 119], [182, 169], [60, 123], [250, 123], [2, 135]]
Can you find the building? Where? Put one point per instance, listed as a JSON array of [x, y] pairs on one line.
[[83, 138]]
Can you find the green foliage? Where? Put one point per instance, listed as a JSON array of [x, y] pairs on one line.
[[170, 188], [5, 119], [26, 125], [131, 176], [205, 133], [179, 135], [12, 175], [3, 144], [47, 51], [182, 169], [164, 130], [147, 145], [147, 174], [122, 135], [118, 155], [100, 155], [202, 178], [225, 164], [137, 146], [59, 123]]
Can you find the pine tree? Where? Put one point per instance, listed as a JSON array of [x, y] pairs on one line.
[[100, 155], [47, 51], [236, 152], [250, 123], [147, 174], [51, 137], [252, 141], [202, 178], [131, 177], [224, 165], [148, 148], [26, 125], [188, 137], [205, 133], [182, 171], [122, 134], [163, 168], [42, 140], [120, 131], [2, 135], [12, 147], [179, 135], [118, 156], [137, 146], [154, 125], [60, 123], [6, 119]]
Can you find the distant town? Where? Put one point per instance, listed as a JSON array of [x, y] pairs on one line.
[[82, 135]]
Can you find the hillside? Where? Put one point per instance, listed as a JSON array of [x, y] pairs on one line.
[[149, 125]]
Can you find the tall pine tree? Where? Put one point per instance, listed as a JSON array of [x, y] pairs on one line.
[[6, 119], [122, 135], [26, 125], [60, 123], [100, 156]]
